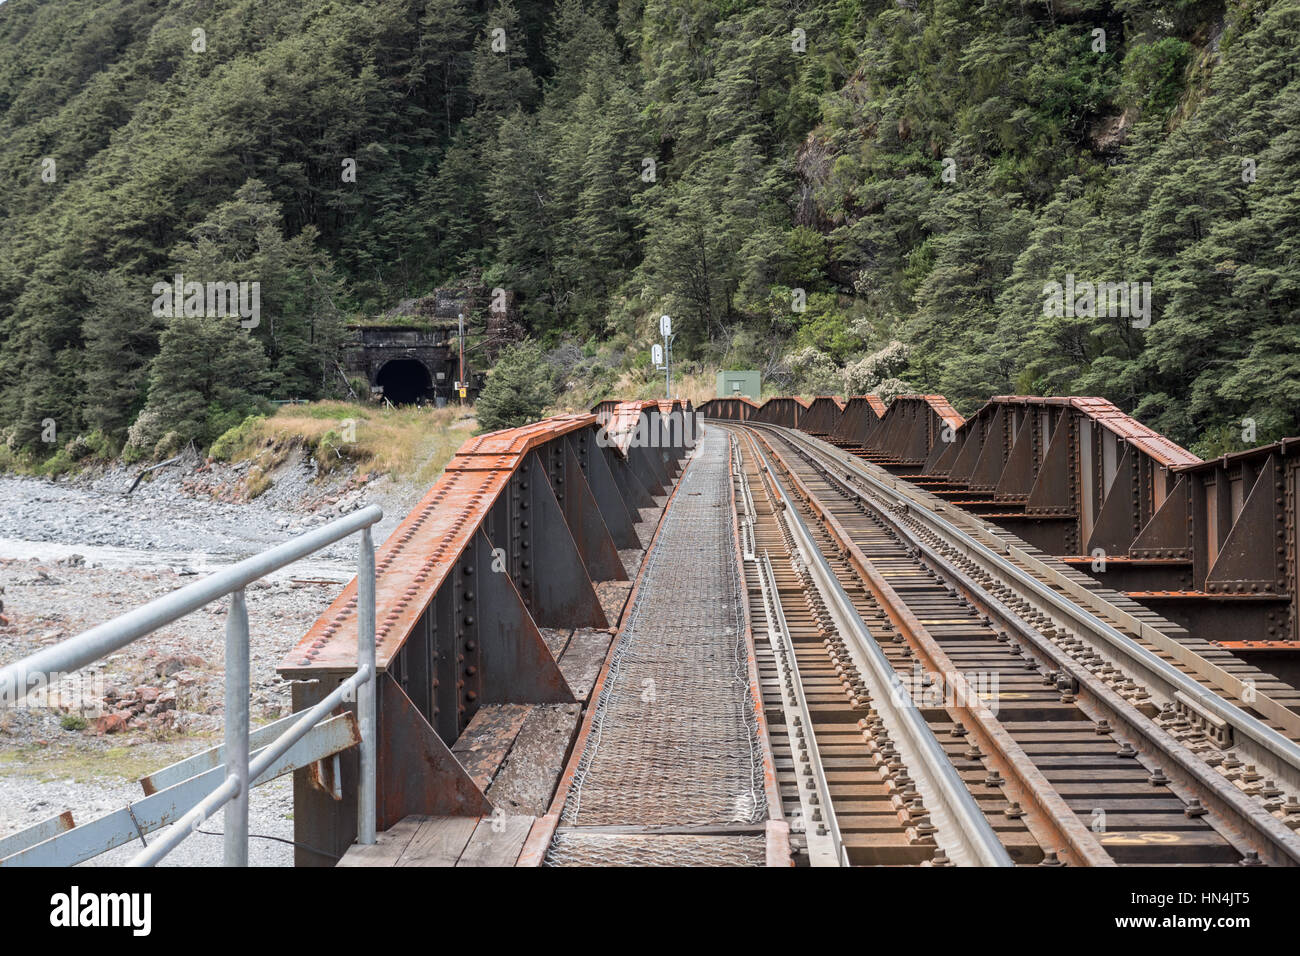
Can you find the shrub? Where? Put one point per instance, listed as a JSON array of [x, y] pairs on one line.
[[814, 371], [891, 388], [235, 440], [146, 430], [56, 464], [1153, 73], [77, 448], [171, 443], [518, 389], [872, 370]]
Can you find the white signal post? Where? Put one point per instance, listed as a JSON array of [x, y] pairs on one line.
[[666, 354]]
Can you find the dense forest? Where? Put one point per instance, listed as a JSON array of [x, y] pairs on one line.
[[846, 194]]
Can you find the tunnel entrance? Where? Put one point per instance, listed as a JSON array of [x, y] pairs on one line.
[[404, 381]]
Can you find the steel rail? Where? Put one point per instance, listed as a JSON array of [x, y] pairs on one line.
[[1263, 736], [1058, 826], [821, 824], [1249, 819], [792, 686], [974, 836]]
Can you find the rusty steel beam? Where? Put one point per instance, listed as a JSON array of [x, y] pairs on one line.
[[1243, 538], [653, 436], [913, 430], [512, 537], [1212, 546], [781, 411], [861, 417], [604, 409], [1208, 545], [736, 409], [823, 416]]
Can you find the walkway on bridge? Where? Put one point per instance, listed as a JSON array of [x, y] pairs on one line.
[[672, 769]]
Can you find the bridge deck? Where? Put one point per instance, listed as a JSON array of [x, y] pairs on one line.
[[516, 753], [672, 769], [495, 840]]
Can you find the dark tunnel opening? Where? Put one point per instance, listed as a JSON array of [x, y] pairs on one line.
[[404, 381]]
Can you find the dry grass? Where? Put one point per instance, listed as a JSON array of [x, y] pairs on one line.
[[633, 384], [404, 442]]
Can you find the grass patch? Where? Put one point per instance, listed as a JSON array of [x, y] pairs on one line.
[[634, 384], [83, 764], [401, 442]]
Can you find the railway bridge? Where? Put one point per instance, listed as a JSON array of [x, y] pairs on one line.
[[812, 633]]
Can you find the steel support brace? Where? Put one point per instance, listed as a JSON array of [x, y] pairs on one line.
[[1252, 558], [514, 664], [969, 455], [1169, 532], [1119, 519], [648, 468], [993, 456], [632, 488], [1017, 476], [615, 510], [583, 514], [552, 574]]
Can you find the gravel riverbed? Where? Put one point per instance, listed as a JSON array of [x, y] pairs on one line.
[[74, 553]]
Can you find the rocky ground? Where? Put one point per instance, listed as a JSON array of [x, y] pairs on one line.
[[74, 553]]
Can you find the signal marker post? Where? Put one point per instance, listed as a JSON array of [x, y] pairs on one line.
[[663, 356]]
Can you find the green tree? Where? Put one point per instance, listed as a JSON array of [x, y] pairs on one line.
[[518, 389], [121, 335], [207, 377]]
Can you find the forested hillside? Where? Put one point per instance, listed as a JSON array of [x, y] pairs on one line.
[[803, 185]]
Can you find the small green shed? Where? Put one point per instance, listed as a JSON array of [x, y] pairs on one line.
[[734, 384]]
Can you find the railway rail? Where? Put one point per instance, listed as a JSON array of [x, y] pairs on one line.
[[1081, 734], [825, 633]]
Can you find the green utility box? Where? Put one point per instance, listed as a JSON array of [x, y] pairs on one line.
[[736, 384]]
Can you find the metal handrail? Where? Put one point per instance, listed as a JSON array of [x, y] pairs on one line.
[[34, 671]]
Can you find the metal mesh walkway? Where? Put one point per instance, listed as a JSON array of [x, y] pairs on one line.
[[674, 739]]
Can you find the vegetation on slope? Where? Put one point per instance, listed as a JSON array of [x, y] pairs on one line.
[[799, 183]]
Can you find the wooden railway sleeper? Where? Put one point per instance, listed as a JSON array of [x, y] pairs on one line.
[[1250, 827]]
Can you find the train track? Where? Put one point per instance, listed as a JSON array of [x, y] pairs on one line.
[[938, 695]]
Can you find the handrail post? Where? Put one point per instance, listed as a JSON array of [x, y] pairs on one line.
[[367, 692], [237, 692]]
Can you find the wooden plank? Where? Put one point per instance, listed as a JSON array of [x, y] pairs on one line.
[[482, 748], [387, 848], [439, 841], [583, 660], [556, 639], [497, 841], [527, 781]]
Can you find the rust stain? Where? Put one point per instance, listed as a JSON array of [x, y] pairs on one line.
[[416, 558]]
